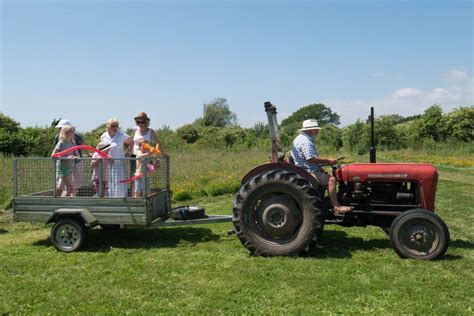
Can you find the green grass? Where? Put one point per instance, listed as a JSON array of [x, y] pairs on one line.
[[200, 269]]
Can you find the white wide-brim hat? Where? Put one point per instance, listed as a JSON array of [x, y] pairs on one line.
[[309, 125]]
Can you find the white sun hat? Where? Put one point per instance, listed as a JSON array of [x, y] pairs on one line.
[[309, 125], [63, 123]]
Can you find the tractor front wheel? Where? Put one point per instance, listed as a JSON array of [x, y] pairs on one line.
[[278, 213], [419, 234]]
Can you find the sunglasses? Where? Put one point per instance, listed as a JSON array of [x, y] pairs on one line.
[[140, 122], [114, 126]]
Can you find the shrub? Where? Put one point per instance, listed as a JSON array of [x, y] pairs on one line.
[[330, 137], [188, 133]]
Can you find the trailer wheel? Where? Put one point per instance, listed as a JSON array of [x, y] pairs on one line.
[[278, 213], [419, 234], [68, 234]]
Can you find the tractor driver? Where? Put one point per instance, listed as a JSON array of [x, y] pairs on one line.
[[306, 157]]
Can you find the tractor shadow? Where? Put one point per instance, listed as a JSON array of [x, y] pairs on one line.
[[459, 243], [337, 244], [99, 240]]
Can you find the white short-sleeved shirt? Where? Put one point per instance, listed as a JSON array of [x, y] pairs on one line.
[[116, 143]]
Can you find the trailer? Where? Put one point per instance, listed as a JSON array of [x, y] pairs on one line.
[[38, 197]]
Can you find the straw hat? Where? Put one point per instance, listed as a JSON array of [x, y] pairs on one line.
[[309, 125]]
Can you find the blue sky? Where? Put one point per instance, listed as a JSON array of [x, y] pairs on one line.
[[91, 60]]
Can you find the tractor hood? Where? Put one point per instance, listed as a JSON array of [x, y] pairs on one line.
[[381, 172]]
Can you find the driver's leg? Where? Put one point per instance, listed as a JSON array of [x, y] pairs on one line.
[[333, 192], [330, 182]]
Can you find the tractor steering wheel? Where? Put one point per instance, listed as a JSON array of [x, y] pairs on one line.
[[336, 165]]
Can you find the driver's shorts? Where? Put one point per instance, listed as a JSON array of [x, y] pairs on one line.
[[322, 177]]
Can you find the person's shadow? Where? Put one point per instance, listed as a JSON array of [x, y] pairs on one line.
[[99, 240]]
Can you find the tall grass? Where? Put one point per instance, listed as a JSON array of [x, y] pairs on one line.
[[5, 180], [210, 172]]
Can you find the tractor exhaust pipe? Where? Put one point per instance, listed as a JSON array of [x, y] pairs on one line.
[[276, 151], [372, 136]]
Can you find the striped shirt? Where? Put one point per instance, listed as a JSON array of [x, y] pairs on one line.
[[303, 149]]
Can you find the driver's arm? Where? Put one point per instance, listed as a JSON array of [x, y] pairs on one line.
[[319, 160]]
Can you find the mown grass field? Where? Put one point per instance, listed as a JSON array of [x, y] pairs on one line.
[[200, 269]]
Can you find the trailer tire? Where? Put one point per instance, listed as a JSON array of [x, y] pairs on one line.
[[419, 234], [68, 234], [278, 213]]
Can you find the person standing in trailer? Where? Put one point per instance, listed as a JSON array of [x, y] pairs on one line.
[[65, 165], [143, 130], [78, 168], [117, 139]]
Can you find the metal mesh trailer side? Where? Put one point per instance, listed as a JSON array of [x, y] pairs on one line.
[[115, 191]]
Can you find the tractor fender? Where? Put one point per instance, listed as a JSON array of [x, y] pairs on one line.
[[81, 214], [280, 166]]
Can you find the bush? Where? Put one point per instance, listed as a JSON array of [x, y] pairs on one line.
[[188, 133], [233, 135], [458, 125], [92, 138]]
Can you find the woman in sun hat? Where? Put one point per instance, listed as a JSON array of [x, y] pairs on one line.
[[143, 130]]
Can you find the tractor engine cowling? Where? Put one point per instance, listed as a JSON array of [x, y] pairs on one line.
[[391, 182]]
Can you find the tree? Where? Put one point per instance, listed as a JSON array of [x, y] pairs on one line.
[[386, 135], [355, 137], [431, 123], [331, 137], [319, 111], [458, 124], [8, 124], [217, 113]]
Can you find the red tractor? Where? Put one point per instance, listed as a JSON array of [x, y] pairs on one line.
[[280, 210]]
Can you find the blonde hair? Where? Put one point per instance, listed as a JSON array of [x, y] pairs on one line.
[[111, 121], [64, 131]]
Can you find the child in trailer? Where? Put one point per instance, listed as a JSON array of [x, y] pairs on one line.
[[65, 165], [100, 170], [141, 154]]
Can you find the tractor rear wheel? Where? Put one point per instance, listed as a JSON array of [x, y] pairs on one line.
[[278, 213], [419, 234]]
